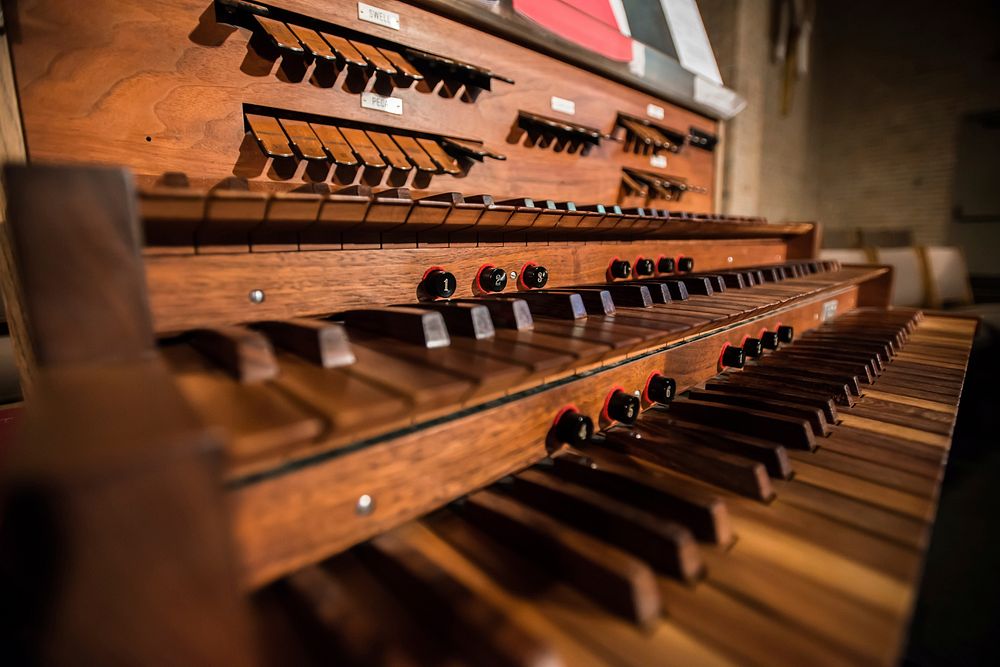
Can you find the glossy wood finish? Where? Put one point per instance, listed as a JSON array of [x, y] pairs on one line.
[[181, 79]]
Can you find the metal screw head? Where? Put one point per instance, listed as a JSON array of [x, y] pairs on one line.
[[729, 259], [513, 275], [365, 505], [256, 296]]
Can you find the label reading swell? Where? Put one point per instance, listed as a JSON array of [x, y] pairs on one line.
[[378, 16]]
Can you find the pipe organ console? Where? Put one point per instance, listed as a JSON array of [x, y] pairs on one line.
[[362, 334]]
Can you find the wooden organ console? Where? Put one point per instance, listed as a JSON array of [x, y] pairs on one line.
[[358, 334]]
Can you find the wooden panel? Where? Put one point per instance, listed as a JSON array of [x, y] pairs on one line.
[[179, 81], [207, 289]]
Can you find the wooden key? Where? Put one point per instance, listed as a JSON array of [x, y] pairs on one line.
[[433, 390], [596, 301], [374, 57], [620, 338], [470, 148], [447, 163], [424, 327], [838, 390], [258, 419], [697, 285], [850, 382], [506, 312], [624, 294], [678, 290], [335, 144], [303, 139], [352, 404], [560, 305], [345, 50], [279, 33], [244, 354], [703, 513], [621, 583], [788, 431], [814, 416], [362, 146], [389, 150], [581, 351], [658, 290], [734, 473], [734, 384], [772, 455], [820, 363], [865, 365], [313, 42], [399, 61], [417, 155], [482, 631], [321, 342], [664, 544], [488, 374], [269, 135], [463, 319]]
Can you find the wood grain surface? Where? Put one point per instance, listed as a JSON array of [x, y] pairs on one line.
[[162, 88]]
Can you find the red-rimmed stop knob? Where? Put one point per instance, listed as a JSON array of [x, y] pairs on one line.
[[438, 283], [492, 279], [660, 388], [769, 340], [753, 348], [733, 357], [645, 267], [534, 277], [620, 269], [573, 428]]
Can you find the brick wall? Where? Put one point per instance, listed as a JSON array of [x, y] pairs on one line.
[[871, 137], [893, 81]]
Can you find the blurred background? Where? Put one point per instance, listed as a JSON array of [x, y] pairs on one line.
[[881, 120]]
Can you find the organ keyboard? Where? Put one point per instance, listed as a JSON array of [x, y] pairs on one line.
[[297, 397]]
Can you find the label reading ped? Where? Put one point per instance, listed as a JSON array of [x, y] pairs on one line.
[[654, 111], [563, 105], [658, 161], [378, 16], [393, 105]]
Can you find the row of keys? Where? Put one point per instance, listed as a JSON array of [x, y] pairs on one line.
[[303, 40], [188, 216], [285, 138], [651, 526]]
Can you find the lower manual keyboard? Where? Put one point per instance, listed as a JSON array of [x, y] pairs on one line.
[[777, 515]]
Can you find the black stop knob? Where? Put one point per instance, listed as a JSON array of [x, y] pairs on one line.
[[645, 267], [535, 277], [661, 389], [621, 268], [665, 265], [733, 357], [786, 334], [685, 264], [440, 284], [574, 428], [753, 348], [769, 339], [492, 279], [623, 407]]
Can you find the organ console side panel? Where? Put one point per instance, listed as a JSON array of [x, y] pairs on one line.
[[373, 338]]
